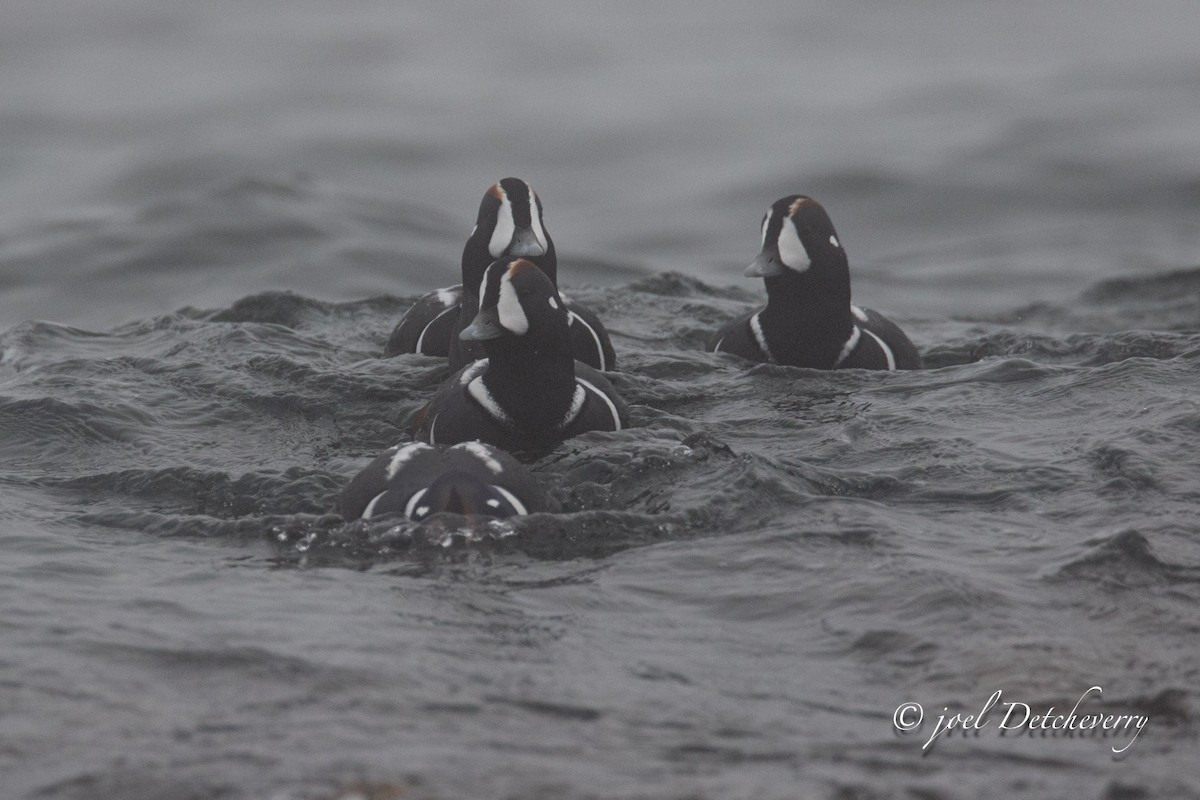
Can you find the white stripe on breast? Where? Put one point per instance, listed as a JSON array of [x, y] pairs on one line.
[[612, 407], [887, 351], [595, 337], [849, 346], [756, 329]]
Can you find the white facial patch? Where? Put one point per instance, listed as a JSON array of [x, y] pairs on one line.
[[833, 241], [508, 306], [403, 456], [766, 221], [535, 218], [502, 234], [791, 249]]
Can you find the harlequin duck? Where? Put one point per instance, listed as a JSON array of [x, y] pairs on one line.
[[509, 224], [808, 320], [530, 393], [418, 481]]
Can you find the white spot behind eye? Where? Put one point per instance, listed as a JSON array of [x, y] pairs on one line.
[[833, 241], [553, 302], [505, 228], [791, 249], [512, 316]]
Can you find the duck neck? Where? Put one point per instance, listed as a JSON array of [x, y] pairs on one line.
[[807, 319], [533, 381]]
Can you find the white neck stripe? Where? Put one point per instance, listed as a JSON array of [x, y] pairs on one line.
[[478, 390]]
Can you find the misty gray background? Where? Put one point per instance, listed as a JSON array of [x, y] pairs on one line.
[[970, 155]]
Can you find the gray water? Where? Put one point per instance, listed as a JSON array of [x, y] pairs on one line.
[[212, 214]]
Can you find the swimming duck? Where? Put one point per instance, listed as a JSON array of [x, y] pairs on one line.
[[809, 320], [419, 480], [509, 224], [529, 393]]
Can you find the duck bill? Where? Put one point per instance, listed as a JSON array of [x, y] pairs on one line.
[[765, 265], [525, 243], [486, 325]]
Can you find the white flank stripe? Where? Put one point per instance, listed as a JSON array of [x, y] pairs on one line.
[[791, 249], [756, 329], [449, 296], [887, 351], [477, 390], [849, 346], [370, 509], [717, 346], [481, 451], [412, 503], [595, 337], [403, 456], [432, 422], [425, 330], [517, 505], [505, 228], [612, 407]]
